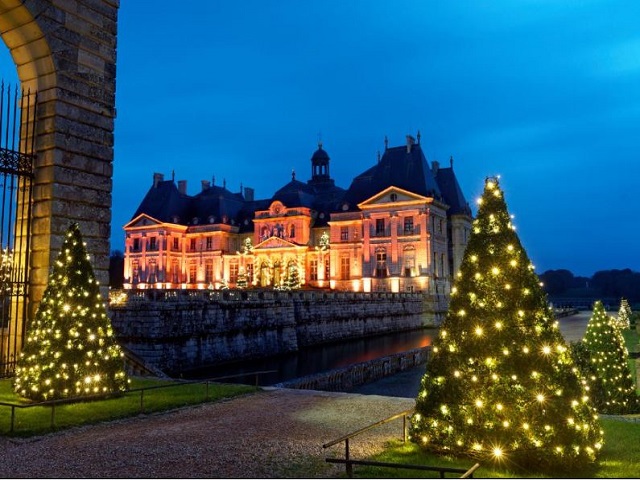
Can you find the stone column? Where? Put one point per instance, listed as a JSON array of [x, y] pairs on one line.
[[66, 51]]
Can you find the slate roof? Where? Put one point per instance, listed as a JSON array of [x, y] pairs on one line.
[[164, 202], [451, 192], [398, 167]]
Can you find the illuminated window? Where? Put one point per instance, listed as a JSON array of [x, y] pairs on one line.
[[175, 271], [250, 272], [153, 272], [233, 272], [381, 263], [345, 268], [327, 268], [408, 225], [208, 271], [193, 269], [313, 274], [409, 255], [135, 271]]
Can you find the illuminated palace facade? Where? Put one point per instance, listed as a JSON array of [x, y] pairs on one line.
[[401, 226]]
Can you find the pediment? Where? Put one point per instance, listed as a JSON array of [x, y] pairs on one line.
[[142, 220], [275, 242], [392, 196]]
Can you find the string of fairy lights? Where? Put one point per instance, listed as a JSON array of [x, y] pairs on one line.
[[70, 348], [501, 382]]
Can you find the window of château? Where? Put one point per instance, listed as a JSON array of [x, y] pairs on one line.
[[209, 243], [313, 274], [193, 269], [380, 226], [233, 272], [381, 263], [344, 234], [408, 225], [208, 271], [345, 268]]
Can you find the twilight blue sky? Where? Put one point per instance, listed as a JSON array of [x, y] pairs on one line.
[[544, 93]]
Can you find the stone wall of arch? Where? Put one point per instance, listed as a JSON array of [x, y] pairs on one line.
[[66, 51]]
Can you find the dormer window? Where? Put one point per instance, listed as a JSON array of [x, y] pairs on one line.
[[212, 219]]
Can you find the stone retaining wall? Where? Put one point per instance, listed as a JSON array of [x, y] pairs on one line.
[[343, 379], [177, 330]]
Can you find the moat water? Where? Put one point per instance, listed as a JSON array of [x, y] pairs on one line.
[[318, 359]]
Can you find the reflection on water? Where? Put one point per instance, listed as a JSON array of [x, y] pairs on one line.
[[319, 358]]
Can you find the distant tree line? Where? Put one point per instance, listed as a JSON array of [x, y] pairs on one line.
[[605, 283]]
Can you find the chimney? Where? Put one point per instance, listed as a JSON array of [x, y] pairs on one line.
[[157, 178], [182, 187], [248, 194], [205, 185], [410, 141], [435, 166]]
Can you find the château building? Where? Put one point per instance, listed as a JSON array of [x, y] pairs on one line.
[[402, 225]]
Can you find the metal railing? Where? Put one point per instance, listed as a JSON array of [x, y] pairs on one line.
[[53, 403], [349, 462]]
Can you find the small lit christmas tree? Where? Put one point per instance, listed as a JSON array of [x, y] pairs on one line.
[[292, 280], [500, 384], [609, 357], [242, 278], [623, 322], [70, 348]]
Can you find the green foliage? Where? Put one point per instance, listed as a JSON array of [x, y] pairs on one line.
[[501, 384], [619, 458], [70, 348], [582, 357], [616, 392], [36, 420]]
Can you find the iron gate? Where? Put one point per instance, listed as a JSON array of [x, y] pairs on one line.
[[17, 138]]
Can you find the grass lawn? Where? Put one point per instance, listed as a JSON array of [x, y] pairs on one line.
[[37, 420], [619, 458]]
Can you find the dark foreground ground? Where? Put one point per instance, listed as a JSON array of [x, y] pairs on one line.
[[275, 433]]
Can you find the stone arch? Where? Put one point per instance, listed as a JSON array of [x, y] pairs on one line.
[[66, 51]]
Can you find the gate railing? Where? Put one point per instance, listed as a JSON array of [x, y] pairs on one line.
[[17, 140]]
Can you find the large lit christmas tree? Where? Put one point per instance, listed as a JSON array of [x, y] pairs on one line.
[[500, 384], [609, 357], [70, 349]]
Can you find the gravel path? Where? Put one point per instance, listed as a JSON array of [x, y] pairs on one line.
[[275, 433]]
